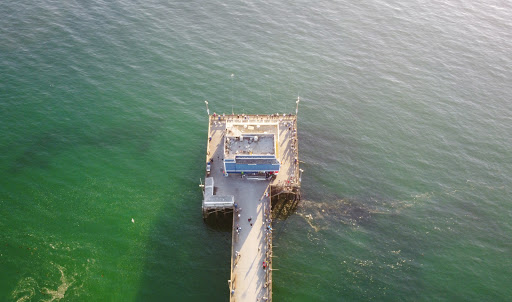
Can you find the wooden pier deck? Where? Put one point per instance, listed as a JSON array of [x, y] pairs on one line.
[[251, 251]]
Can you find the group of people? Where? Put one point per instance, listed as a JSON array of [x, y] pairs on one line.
[[268, 242], [238, 228], [267, 225], [241, 117]]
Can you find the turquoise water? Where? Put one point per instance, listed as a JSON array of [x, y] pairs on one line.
[[405, 126]]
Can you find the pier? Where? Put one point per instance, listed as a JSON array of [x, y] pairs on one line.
[[252, 171]]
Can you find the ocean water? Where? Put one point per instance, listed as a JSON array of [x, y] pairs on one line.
[[405, 127]]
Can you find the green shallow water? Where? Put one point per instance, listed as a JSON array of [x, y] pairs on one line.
[[404, 127]]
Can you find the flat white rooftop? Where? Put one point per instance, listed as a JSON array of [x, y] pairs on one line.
[[251, 139], [250, 145]]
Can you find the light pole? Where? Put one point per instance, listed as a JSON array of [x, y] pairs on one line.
[[297, 108], [207, 110]]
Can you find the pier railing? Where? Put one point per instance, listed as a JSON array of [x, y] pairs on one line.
[[234, 258], [267, 207]]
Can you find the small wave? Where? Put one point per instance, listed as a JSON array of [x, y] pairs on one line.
[[25, 290], [318, 214], [61, 290], [28, 287]]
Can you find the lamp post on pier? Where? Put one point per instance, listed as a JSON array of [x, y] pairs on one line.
[[207, 110]]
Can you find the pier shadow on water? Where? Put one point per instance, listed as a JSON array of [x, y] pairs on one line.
[[38, 150], [187, 259], [221, 222], [284, 205]]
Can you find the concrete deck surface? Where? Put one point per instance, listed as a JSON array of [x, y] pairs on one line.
[[250, 246]]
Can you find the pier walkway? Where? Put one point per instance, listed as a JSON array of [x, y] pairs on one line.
[[251, 251]]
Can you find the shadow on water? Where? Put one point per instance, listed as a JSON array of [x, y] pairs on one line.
[[187, 259], [41, 148], [220, 222], [284, 205]]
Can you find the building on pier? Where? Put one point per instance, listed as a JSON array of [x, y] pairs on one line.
[[251, 148], [215, 202]]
